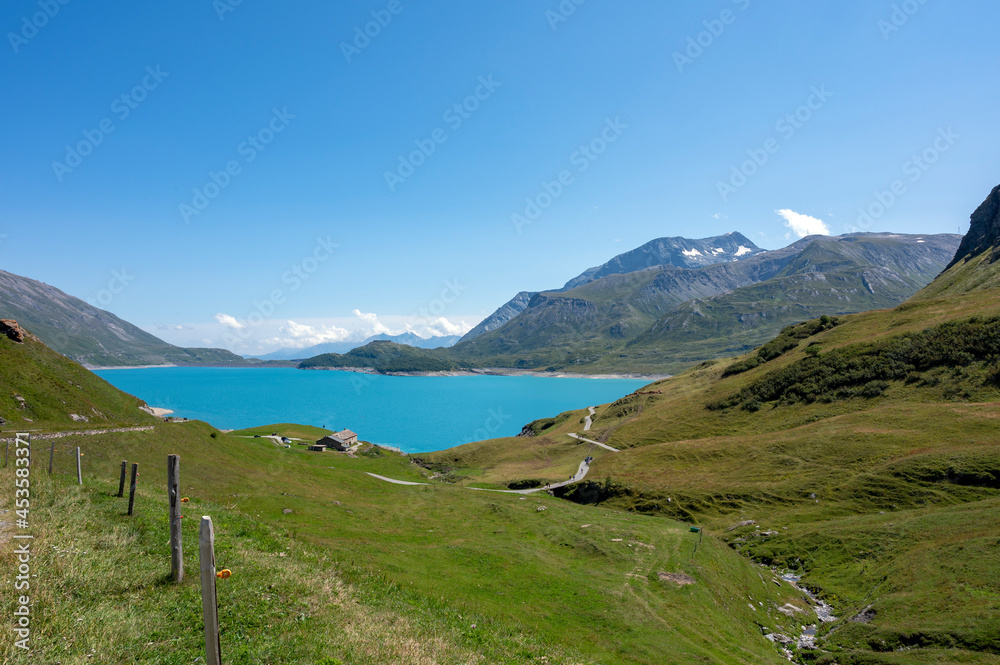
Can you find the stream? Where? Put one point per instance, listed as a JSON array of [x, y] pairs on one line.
[[824, 612]]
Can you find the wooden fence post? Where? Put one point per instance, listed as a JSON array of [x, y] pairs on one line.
[[209, 601], [79, 471], [131, 490], [173, 490], [121, 481], [52, 452]]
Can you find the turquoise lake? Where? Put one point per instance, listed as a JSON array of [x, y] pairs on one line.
[[415, 414]]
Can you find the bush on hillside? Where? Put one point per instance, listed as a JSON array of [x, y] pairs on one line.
[[865, 370], [787, 340]]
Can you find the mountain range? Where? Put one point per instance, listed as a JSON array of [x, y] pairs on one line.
[[657, 308], [669, 303]]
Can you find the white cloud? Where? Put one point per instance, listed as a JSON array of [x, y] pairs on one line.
[[441, 327], [295, 335], [230, 321], [804, 225], [374, 325]]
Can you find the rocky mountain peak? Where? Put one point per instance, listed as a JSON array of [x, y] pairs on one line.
[[984, 231]]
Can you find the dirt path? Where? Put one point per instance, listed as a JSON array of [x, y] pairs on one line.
[[596, 443], [580, 474], [394, 481], [589, 420]]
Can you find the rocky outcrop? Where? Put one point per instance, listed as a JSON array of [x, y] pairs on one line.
[[11, 330], [984, 231]]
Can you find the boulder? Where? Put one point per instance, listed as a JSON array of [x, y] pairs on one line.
[[13, 331]]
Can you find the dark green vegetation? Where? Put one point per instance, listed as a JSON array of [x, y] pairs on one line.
[[786, 341], [946, 353], [333, 566], [387, 357], [861, 455], [651, 312], [92, 336]]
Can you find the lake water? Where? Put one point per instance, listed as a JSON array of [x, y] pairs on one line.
[[416, 414]]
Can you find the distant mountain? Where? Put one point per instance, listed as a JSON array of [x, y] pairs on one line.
[[407, 338], [677, 252], [662, 319], [508, 311], [92, 336], [830, 275]]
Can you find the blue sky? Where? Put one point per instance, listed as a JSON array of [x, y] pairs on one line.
[[834, 100]]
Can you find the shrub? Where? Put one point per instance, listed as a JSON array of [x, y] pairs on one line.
[[786, 340], [865, 370]]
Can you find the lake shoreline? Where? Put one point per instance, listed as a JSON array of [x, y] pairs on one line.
[[413, 414], [495, 371]]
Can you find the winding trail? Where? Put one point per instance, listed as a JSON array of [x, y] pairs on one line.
[[581, 473], [596, 443], [393, 481]]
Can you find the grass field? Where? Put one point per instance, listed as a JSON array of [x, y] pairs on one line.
[[372, 572]]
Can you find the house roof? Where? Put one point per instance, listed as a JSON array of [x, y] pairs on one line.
[[344, 434]]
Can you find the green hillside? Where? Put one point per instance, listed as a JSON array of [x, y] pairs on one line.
[[42, 389], [858, 451], [383, 356]]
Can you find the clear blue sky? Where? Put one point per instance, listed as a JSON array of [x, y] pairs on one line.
[[555, 85]]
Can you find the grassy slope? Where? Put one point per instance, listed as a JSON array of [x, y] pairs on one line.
[[53, 387], [902, 483], [534, 583]]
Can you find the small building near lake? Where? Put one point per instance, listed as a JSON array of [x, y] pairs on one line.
[[341, 440]]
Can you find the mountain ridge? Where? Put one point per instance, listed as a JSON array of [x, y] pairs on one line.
[[91, 336], [659, 320]]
